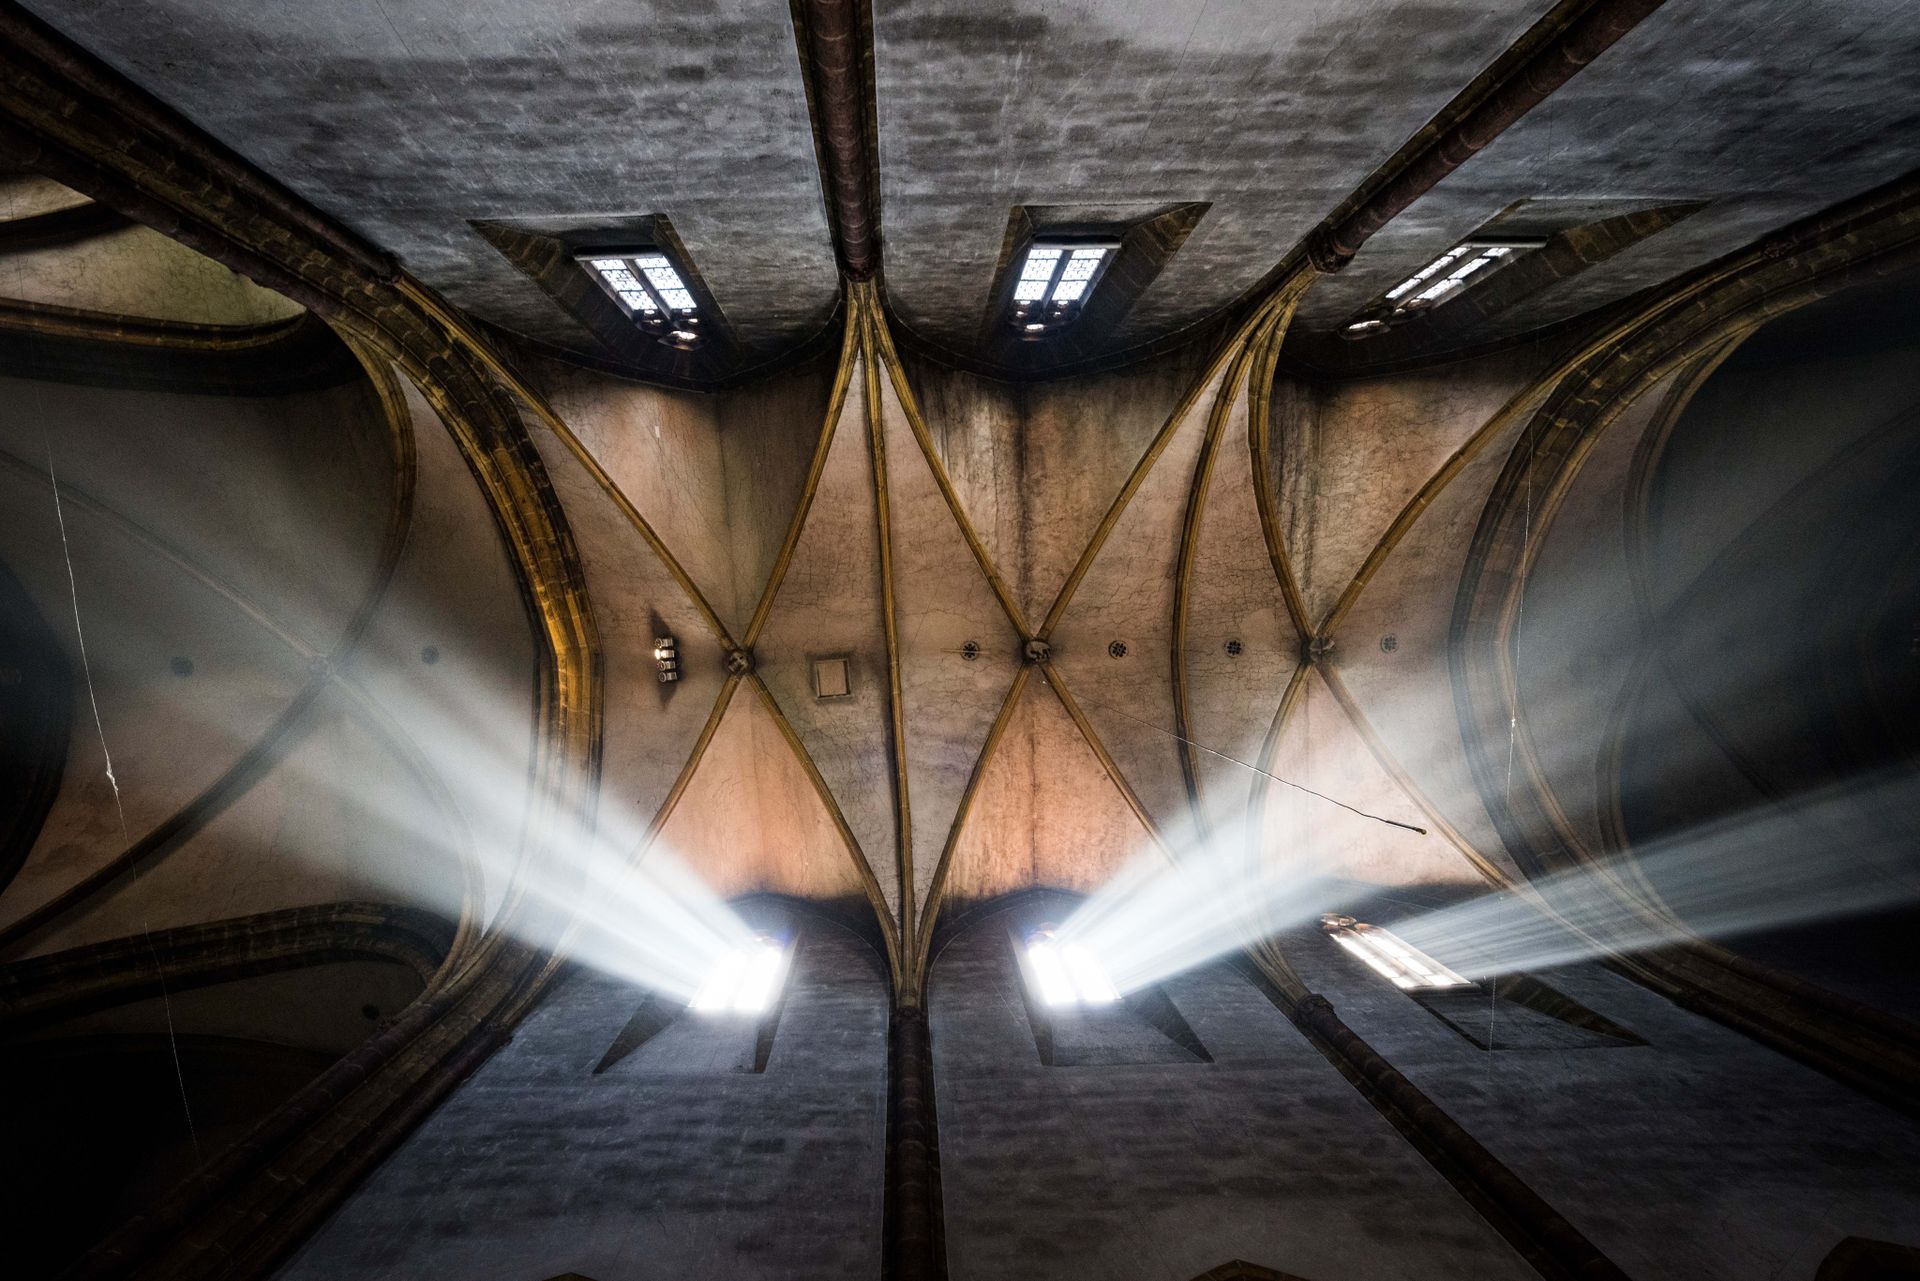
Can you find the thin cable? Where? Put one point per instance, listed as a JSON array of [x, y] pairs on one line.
[[1520, 611], [80, 637], [1298, 787], [126, 838], [86, 668]]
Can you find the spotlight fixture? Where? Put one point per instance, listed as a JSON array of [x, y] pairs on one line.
[[666, 656], [745, 980], [1389, 955], [1068, 973]]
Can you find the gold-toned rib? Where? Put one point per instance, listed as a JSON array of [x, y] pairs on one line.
[[1502, 418], [903, 391], [398, 417], [1054, 681], [1384, 755], [172, 831], [463, 333], [890, 628], [870, 882], [1489, 870], [1545, 507], [1608, 337], [1136, 478], [1612, 818], [671, 801], [1262, 781], [850, 346], [1646, 460], [254, 763], [378, 720], [1693, 361], [1260, 447], [1266, 953], [174, 556], [937, 887], [1224, 399], [1251, 371], [1280, 303], [51, 320]]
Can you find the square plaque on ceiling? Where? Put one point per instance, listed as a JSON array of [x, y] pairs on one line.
[[832, 677]]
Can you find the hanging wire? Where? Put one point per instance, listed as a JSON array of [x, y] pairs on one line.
[[99, 727], [1298, 787], [120, 809]]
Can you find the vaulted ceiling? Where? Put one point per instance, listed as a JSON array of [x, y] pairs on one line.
[[370, 579], [410, 122], [1266, 564]]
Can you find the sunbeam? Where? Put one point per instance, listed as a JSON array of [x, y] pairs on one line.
[[1756, 872], [1215, 891]]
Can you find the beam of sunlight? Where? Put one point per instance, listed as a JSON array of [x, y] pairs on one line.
[[581, 886], [1160, 915], [1759, 871], [415, 791], [1766, 869]]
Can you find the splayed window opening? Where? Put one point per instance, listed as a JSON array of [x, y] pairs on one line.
[[1078, 1015], [744, 980], [1469, 264], [1065, 973], [1522, 1013], [650, 290], [1389, 955], [1057, 276]]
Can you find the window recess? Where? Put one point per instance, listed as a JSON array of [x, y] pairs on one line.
[[1057, 277], [1510, 1012], [1079, 1018], [1389, 955], [1467, 265], [728, 1025], [650, 290], [653, 320]]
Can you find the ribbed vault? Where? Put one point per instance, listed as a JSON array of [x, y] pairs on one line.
[[376, 553]]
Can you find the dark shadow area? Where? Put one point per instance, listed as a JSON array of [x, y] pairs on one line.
[[1519, 1012], [1784, 563], [36, 712], [97, 1127]]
